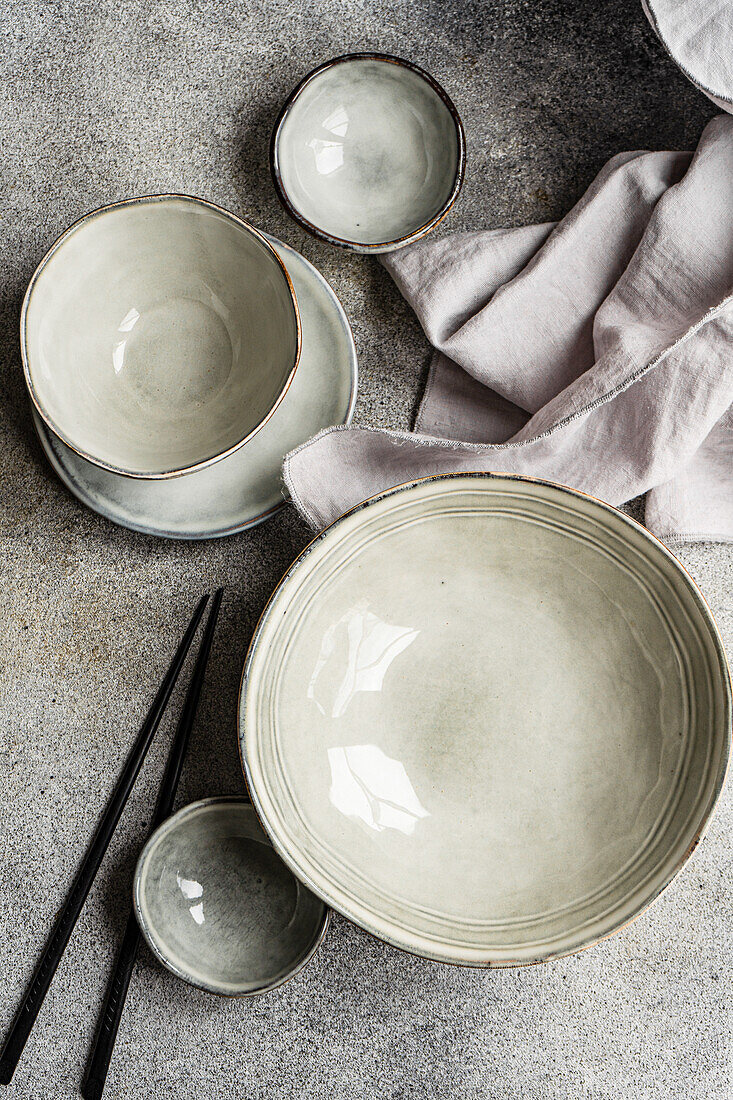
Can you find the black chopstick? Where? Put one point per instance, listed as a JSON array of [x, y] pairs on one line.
[[109, 1020], [54, 949]]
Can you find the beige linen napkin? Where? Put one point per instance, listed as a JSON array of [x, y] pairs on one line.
[[597, 352]]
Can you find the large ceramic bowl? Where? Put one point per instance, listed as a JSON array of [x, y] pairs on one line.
[[486, 717], [218, 907], [158, 335], [368, 152]]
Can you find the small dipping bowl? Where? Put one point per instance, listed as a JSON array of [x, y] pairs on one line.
[[158, 335], [368, 153], [218, 907]]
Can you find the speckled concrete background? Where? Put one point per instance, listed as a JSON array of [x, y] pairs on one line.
[[103, 100]]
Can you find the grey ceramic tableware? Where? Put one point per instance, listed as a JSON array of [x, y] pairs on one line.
[[246, 487], [218, 907], [368, 152], [158, 335], [486, 717]]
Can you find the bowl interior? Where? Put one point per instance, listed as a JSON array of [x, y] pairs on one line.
[[218, 906], [368, 151], [158, 335], [486, 718]]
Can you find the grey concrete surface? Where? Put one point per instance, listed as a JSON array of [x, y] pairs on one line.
[[104, 100]]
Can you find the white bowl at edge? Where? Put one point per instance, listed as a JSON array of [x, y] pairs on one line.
[[158, 335]]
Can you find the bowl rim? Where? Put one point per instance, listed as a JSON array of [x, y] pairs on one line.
[[345, 242], [192, 808], [100, 211], [487, 963]]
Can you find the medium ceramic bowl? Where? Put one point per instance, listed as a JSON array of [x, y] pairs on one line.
[[218, 907], [368, 153], [698, 38], [486, 717], [245, 488], [158, 335]]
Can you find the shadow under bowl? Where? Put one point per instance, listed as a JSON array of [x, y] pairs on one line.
[[218, 907]]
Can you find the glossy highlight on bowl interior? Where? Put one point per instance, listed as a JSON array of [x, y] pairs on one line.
[[368, 152], [218, 907], [486, 717], [158, 335]]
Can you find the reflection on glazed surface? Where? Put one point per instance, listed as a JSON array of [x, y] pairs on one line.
[[127, 323], [368, 786], [192, 889], [329, 153], [355, 654]]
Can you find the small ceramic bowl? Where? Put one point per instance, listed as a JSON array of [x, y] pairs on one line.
[[218, 907], [158, 335], [368, 153]]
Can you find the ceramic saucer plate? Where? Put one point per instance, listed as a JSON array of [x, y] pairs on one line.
[[486, 717], [158, 335], [218, 907], [368, 153], [245, 488]]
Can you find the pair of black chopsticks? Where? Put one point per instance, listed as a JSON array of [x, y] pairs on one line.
[[51, 957]]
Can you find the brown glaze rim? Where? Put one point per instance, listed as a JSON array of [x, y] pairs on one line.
[[344, 242], [155, 950], [488, 963], [99, 212]]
